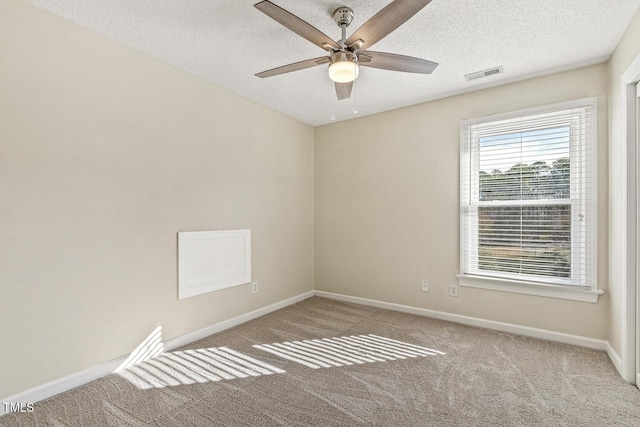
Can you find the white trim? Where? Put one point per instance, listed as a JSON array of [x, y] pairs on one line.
[[75, 380], [530, 288], [628, 359], [63, 384], [615, 358], [630, 222], [632, 73], [475, 321], [183, 340], [584, 237]]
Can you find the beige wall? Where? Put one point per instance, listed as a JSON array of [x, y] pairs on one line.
[[105, 154], [626, 51], [387, 205]]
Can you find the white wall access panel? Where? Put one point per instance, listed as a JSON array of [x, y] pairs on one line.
[[212, 260]]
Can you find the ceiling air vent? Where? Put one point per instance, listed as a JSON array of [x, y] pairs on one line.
[[484, 73]]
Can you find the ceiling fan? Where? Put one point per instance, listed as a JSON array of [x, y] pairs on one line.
[[348, 54]]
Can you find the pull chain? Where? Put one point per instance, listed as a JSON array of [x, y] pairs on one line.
[[332, 106], [355, 95]]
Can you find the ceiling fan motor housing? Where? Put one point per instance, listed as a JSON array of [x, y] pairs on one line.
[[338, 56], [343, 16]]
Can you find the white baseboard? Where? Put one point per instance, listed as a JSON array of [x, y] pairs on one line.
[[482, 323], [615, 358], [63, 384], [183, 340], [75, 380]]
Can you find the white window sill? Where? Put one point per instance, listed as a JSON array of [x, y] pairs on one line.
[[529, 288]]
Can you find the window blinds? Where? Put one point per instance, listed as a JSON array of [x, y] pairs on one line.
[[528, 196]]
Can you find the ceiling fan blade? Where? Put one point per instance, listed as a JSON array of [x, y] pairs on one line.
[[385, 21], [297, 25], [294, 67], [395, 62], [343, 90]]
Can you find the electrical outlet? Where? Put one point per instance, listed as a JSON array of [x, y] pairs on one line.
[[425, 286], [453, 290], [254, 287]]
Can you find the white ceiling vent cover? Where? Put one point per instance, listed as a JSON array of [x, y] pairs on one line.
[[484, 73]]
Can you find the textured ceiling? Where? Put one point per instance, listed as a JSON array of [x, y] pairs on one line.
[[228, 41]]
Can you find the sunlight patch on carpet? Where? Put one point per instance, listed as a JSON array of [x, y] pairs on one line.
[[149, 348], [345, 351], [195, 366]]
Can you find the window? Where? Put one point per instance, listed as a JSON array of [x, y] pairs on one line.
[[528, 194]]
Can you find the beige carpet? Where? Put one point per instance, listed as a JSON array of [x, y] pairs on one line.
[[327, 363]]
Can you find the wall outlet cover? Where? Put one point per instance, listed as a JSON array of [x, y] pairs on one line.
[[453, 290]]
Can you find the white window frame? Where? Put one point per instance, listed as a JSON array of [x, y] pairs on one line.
[[554, 288]]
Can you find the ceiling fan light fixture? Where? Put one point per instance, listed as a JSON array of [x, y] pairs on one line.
[[344, 67], [343, 71], [346, 54]]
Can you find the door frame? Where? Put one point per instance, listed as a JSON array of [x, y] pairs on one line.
[[637, 238], [630, 306]]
